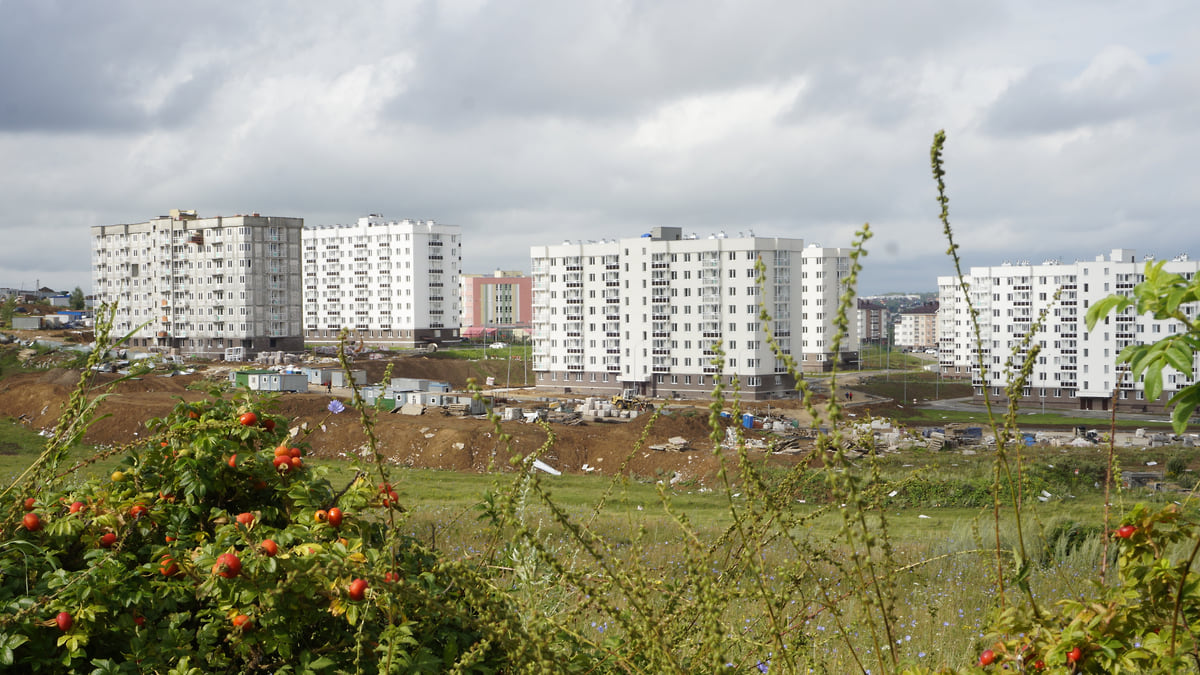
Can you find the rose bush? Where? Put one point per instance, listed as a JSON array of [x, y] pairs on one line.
[[186, 561]]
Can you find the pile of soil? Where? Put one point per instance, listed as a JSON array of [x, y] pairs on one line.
[[433, 440]]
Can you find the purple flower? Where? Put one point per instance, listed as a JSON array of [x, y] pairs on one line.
[[335, 407]]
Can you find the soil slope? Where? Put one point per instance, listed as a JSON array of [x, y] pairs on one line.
[[433, 440]]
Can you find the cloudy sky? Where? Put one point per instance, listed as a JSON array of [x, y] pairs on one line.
[[1074, 127]]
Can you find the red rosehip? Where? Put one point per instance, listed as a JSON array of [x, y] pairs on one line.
[[335, 517], [248, 419], [167, 566], [987, 658], [64, 621], [1126, 531], [32, 522], [228, 565], [358, 589], [269, 547], [1074, 655]]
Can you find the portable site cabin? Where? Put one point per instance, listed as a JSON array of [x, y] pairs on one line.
[[27, 323], [474, 406], [418, 384], [378, 397], [270, 380], [318, 376], [430, 398], [337, 377]]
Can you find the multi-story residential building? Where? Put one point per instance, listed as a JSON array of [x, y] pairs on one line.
[[215, 287], [498, 304], [1075, 368], [389, 283], [874, 320], [918, 327], [648, 313]]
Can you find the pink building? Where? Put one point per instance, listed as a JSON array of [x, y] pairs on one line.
[[501, 303]]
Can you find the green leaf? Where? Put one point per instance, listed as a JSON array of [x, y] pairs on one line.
[[1179, 355], [1185, 401], [1154, 382], [322, 663], [1103, 307]]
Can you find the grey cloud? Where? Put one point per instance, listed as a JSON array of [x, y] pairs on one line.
[[1046, 100], [601, 61], [79, 67], [528, 123]]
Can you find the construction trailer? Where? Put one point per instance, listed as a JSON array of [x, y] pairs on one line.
[[270, 380]]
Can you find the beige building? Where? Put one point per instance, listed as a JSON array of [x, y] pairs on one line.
[[918, 327], [226, 286]]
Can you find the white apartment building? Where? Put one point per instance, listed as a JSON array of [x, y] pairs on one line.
[[647, 313], [202, 286], [391, 283], [1075, 368]]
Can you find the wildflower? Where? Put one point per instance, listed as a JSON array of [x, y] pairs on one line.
[[335, 407]]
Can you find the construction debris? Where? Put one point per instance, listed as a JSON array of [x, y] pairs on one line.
[[673, 444]]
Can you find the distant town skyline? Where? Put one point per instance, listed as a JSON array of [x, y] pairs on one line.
[[1071, 125]]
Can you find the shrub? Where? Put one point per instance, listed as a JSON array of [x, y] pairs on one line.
[[156, 568], [1176, 466]]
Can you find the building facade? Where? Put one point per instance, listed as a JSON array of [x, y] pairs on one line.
[[918, 327], [874, 321], [647, 314], [214, 287], [390, 283], [500, 304], [1074, 368]]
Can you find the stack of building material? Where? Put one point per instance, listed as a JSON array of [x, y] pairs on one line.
[[673, 444]]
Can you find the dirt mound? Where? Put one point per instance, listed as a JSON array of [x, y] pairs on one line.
[[454, 371], [433, 440], [37, 399]]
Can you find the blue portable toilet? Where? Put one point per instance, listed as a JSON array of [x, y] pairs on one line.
[[748, 420]]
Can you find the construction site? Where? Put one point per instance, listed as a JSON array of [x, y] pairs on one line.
[[639, 437]]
